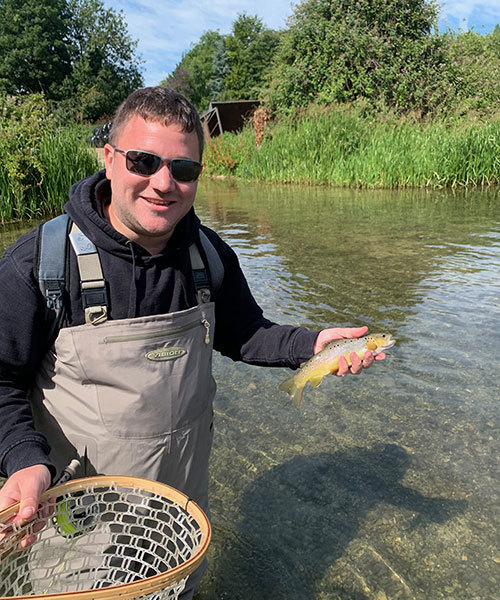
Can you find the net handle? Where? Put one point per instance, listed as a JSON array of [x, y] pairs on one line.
[[126, 591]]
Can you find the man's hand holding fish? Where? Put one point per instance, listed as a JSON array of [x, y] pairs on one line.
[[338, 350], [340, 333]]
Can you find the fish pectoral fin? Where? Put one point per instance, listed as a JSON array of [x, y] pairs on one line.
[[315, 381], [372, 346]]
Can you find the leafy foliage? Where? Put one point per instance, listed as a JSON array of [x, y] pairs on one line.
[[193, 76], [231, 67], [75, 52], [34, 46], [38, 160], [220, 70], [475, 60], [104, 68], [386, 51], [21, 126], [250, 49]]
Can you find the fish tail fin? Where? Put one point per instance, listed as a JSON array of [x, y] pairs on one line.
[[294, 390]]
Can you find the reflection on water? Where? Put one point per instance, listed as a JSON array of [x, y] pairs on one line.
[[383, 486]]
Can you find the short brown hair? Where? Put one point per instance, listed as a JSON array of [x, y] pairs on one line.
[[158, 104]]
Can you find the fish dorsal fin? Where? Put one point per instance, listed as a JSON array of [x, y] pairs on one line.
[[315, 381]]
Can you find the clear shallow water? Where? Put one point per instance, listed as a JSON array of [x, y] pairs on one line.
[[383, 486]]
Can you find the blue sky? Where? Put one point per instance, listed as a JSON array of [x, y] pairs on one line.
[[165, 30]]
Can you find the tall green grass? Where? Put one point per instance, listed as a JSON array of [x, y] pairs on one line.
[[62, 158], [39, 158], [342, 146], [66, 159]]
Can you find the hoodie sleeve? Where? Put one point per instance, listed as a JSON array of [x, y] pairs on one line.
[[242, 332], [22, 344]]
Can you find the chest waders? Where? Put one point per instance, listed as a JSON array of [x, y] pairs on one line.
[[130, 396]]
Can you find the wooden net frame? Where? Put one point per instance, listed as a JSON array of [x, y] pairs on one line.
[[103, 538]]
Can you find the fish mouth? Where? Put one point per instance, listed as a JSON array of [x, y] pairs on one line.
[[389, 344]]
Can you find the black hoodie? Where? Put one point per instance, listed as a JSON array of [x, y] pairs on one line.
[[139, 284]]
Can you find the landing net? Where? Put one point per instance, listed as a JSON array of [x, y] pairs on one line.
[[104, 538]]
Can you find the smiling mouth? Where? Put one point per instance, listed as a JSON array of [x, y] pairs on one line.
[[159, 202]]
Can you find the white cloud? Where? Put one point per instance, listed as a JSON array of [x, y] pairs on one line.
[[166, 30], [465, 14]]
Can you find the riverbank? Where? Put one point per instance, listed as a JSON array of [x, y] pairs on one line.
[[344, 147]]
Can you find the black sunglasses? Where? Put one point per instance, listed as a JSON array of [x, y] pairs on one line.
[[146, 164]]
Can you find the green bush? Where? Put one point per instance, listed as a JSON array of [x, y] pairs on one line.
[[475, 60], [38, 159], [386, 51]]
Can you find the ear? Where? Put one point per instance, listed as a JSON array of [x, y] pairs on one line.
[[109, 155]]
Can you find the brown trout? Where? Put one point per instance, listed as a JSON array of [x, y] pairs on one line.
[[327, 361]]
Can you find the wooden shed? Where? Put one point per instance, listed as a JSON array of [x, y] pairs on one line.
[[227, 116]]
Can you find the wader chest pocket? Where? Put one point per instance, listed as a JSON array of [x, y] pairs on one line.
[[137, 337]]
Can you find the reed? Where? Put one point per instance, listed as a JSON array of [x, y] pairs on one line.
[[344, 146], [39, 186], [67, 159]]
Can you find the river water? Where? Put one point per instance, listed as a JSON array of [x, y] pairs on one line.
[[383, 486]]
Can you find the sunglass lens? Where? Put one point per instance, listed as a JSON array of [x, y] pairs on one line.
[[185, 170], [146, 163], [142, 163]]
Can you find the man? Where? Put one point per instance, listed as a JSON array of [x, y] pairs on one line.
[[92, 390]]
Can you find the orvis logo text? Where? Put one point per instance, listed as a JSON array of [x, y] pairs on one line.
[[166, 353]]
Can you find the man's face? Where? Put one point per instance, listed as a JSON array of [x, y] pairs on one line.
[[147, 209]]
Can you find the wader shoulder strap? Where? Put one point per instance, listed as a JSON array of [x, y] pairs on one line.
[[200, 276], [214, 262], [51, 271], [92, 283], [51, 262]]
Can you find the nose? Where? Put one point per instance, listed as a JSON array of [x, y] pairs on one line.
[[162, 179]]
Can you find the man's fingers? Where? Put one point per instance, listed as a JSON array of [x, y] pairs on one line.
[[356, 364], [368, 359], [343, 367], [351, 332], [27, 508], [46, 509], [337, 333], [27, 541], [7, 497]]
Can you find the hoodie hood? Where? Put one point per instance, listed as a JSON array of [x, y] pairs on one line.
[[87, 199]]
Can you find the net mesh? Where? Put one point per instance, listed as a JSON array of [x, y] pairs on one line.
[[99, 537]]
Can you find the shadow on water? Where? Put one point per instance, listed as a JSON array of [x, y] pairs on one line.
[[300, 517]]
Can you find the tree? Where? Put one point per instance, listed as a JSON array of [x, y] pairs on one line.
[[76, 52], [192, 76], [231, 67], [220, 70], [386, 51], [33, 46], [105, 68], [250, 49]]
